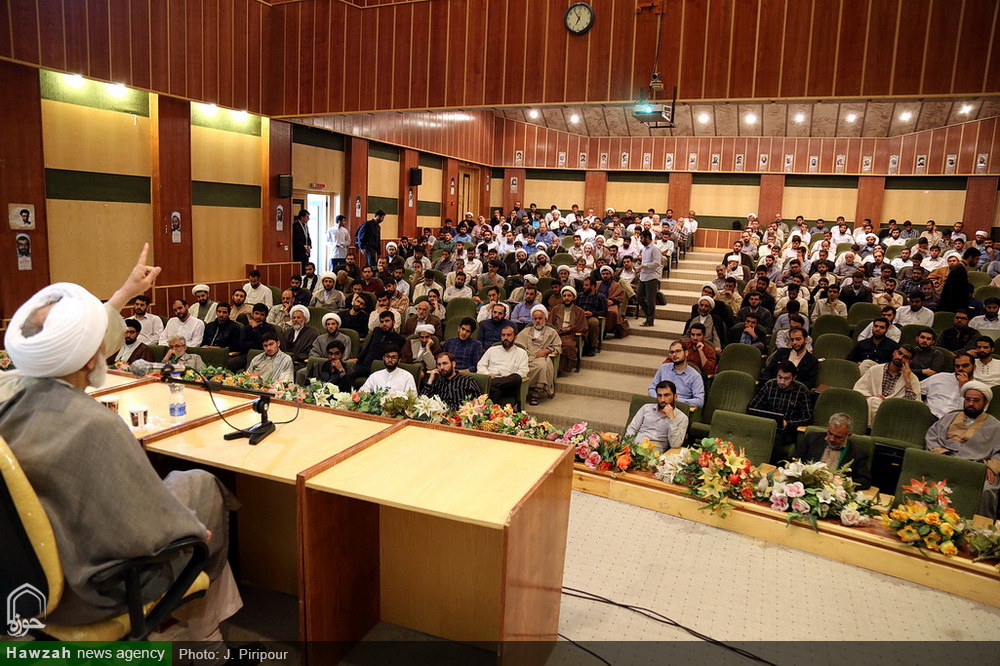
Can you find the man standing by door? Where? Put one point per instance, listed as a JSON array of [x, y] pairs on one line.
[[650, 272], [337, 240], [301, 241], [369, 238]]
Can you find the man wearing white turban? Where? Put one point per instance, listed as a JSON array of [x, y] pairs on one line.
[[327, 295], [972, 434], [541, 342], [71, 447], [422, 349], [204, 306], [297, 341], [570, 322]]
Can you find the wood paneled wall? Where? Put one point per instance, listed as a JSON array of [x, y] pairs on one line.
[[205, 50], [275, 244], [541, 146], [468, 53], [171, 187]]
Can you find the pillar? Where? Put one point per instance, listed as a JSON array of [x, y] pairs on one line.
[[980, 204], [408, 159], [871, 195], [171, 188], [513, 188], [772, 191], [595, 192], [449, 191], [679, 193], [276, 245], [357, 183]]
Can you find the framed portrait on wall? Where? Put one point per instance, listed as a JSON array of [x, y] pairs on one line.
[[23, 252], [604, 160], [513, 184], [668, 162], [893, 163], [813, 163], [21, 217], [279, 218], [762, 161], [716, 161], [562, 158], [624, 160], [647, 160], [738, 161], [789, 161], [866, 164], [583, 160], [982, 162], [175, 226], [921, 164], [692, 161], [950, 162], [519, 157]]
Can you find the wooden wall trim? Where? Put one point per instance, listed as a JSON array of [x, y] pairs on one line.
[[357, 184], [275, 245], [408, 159], [171, 188], [871, 196], [980, 203]]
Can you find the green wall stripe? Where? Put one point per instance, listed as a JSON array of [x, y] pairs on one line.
[[227, 195], [842, 182], [318, 138], [383, 151], [555, 174], [498, 173], [431, 161], [638, 177], [925, 182], [388, 205], [225, 119], [92, 186], [429, 208], [719, 221], [750, 179], [95, 94]]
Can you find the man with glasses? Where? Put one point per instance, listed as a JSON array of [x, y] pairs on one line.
[[836, 450], [690, 386]]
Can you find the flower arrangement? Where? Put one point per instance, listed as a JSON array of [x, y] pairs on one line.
[[714, 472], [813, 491], [924, 518], [984, 544], [608, 451]]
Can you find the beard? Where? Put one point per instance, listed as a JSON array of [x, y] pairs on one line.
[[971, 412], [507, 344], [98, 375]]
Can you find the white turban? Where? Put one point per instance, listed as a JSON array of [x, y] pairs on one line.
[[711, 301], [539, 306], [710, 286], [606, 268], [531, 279], [390, 244], [588, 243], [568, 288], [979, 386], [300, 308], [733, 257], [563, 267], [331, 315], [70, 336], [327, 274], [199, 287], [541, 246], [521, 250], [424, 328]]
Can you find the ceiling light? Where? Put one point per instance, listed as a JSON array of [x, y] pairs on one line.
[[240, 116], [905, 115], [117, 89], [575, 118], [704, 118], [851, 117], [74, 80], [750, 118], [966, 108], [209, 109], [800, 117], [533, 113]]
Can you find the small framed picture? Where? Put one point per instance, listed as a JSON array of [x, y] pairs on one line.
[[762, 161], [982, 162], [647, 160], [950, 162], [716, 163], [738, 162], [604, 160], [813, 163], [562, 158], [692, 161], [840, 164], [789, 161], [893, 164], [513, 184], [23, 251], [519, 157], [583, 159], [866, 164], [624, 161], [21, 216], [921, 164], [175, 226], [668, 163], [279, 218]]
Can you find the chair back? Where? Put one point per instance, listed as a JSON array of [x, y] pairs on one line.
[[830, 323], [29, 555], [459, 308], [316, 317], [834, 400], [731, 391], [986, 291], [158, 352], [979, 279], [964, 477], [741, 357], [482, 380], [908, 334], [839, 373], [832, 346], [252, 354], [216, 357], [893, 251], [949, 356], [563, 259], [861, 311], [753, 434], [860, 442], [943, 320], [843, 247], [634, 405], [275, 295], [544, 284], [904, 421]]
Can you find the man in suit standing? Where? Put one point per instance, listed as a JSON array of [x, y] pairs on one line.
[[835, 449], [301, 241], [369, 238]]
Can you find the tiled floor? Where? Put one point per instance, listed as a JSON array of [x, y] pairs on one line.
[[725, 585]]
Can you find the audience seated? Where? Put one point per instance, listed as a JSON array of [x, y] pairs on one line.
[[751, 332], [332, 371], [183, 324], [331, 324], [942, 392], [356, 318], [392, 377], [298, 339], [327, 295], [891, 380], [569, 320], [540, 341], [223, 332], [177, 354], [422, 316], [133, 349], [915, 312], [834, 447], [256, 292], [699, 353], [987, 368], [960, 337], [714, 333], [152, 326], [446, 382], [798, 354], [785, 397], [204, 307], [422, 349], [690, 387], [876, 349], [663, 424], [831, 305], [507, 366], [273, 365], [280, 315]]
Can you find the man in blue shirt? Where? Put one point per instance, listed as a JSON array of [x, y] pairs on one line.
[[522, 311], [690, 386], [545, 236], [466, 349], [490, 329]]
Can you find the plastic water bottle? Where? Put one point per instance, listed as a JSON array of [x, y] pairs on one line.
[[178, 404]]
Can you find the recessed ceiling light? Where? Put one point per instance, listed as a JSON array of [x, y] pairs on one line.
[[905, 115], [74, 80], [241, 116], [800, 117], [575, 118], [704, 118], [533, 113], [751, 118], [117, 89], [851, 117], [966, 108]]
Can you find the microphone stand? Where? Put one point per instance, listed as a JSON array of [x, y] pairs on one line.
[[257, 432]]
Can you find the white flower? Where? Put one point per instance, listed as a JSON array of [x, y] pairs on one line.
[[852, 517], [800, 505], [841, 494], [825, 496], [794, 468], [778, 488], [762, 485]]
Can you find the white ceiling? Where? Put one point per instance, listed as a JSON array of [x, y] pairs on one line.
[[873, 118]]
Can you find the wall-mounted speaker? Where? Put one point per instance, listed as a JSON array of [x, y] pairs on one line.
[[284, 186], [416, 177]]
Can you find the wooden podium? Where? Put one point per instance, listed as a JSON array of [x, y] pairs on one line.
[[456, 533]]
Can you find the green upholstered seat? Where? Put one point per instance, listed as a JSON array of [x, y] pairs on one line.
[[741, 357], [838, 372], [902, 423], [753, 434], [731, 391], [964, 477], [832, 345]]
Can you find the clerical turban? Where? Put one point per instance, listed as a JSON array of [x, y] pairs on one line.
[[70, 336], [300, 308], [709, 285], [327, 274], [978, 386], [331, 315], [562, 268], [531, 279], [388, 244], [709, 299], [606, 269], [568, 288], [539, 306], [424, 328], [199, 287]]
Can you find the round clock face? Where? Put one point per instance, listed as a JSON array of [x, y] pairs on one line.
[[579, 18]]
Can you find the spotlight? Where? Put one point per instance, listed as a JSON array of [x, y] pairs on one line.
[[533, 113], [74, 80], [800, 117], [905, 115], [240, 116], [704, 118], [117, 90], [750, 118], [966, 109], [851, 117], [575, 118]]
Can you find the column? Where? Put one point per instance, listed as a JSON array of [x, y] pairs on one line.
[[679, 193], [980, 204], [449, 190], [595, 192], [276, 245], [772, 190], [408, 159], [871, 195], [357, 183], [513, 188], [171, 187]]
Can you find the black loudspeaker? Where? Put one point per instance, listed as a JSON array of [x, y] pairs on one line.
[[416, 177], [284, 186]]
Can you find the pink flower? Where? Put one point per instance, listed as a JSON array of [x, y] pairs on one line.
[[576, 429], [593, 460], [800, 505], [779, 502], [795, 489]]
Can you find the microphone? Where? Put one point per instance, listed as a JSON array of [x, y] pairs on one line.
[[141, 368]]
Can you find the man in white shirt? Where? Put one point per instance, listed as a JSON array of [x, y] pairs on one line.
[[459, 290], [392, 377], [989, 321], [507, 366], [894, 333], [256, 292], [586, 233], [915, 313], [987, 368], [338, 238], [152, 326], [841, 234], [943, 392], [273, 365], [184, 325]]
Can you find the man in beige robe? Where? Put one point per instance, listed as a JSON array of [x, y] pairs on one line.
[[540, 341], [891, 380], [569, 320]]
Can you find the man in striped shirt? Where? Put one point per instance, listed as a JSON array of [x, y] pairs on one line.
[[447, 383]]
